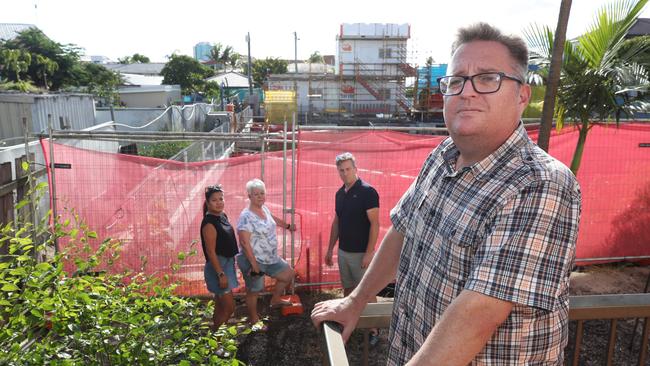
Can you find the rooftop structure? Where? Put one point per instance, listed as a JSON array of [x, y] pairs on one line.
[[9, 31]]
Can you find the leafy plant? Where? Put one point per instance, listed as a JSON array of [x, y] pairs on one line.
[[600, 78], [163, 150], [70, 309]]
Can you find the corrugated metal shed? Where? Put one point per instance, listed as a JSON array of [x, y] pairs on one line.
[[68, 111]]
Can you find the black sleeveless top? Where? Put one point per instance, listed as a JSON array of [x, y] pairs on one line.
[[226, 241]]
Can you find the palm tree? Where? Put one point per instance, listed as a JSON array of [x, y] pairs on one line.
[[553, 75], [234, 61], [596, 78], [220, 55]]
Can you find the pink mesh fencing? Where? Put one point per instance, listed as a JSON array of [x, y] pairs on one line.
[[154, 206]]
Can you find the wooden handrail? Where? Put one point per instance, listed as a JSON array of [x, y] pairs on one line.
[[581, 308]]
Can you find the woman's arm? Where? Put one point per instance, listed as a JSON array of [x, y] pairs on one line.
[[245, 242], [283, 224], [210, 236]]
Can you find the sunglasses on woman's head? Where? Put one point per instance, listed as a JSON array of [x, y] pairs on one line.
[[214, 188]]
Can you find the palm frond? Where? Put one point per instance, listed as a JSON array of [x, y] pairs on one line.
[[540, 41], [601, 43]]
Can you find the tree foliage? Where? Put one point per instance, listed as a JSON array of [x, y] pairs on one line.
[[599, 80], [73, 310], [35, 58], [315, 58], [186, 72], [98, 80], [34, 42], [135, 59], [221, 55], [263, 68]]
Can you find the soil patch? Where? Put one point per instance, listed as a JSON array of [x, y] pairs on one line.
[[293, 340]]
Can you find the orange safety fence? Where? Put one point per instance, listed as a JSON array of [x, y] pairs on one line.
[[154, 206]]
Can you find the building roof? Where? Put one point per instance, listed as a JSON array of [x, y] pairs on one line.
[[374, 31], [149, 89], [640, 28], [230, 79], [153, 68], [136, 79], [9, 31]]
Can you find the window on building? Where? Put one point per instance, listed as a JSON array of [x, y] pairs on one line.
[[384, 93], [315, 91], [385, 53]]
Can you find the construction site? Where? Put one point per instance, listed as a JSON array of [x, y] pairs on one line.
[[368, 84]]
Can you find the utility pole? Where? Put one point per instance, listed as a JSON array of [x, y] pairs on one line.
[[295, 48], [250, 66], [295, 63]]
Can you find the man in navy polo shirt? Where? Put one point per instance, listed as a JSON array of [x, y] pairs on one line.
[[355, 226]]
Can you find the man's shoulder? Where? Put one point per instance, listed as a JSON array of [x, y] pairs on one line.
[[538, 166], [366, 187]]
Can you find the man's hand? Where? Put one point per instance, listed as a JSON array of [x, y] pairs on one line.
[[328, 258], [367, 258], [345, 311]]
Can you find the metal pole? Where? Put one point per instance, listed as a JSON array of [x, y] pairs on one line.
[[53, 175], [284, 189], [32, 210], [250, 66], [111, 108], [295, 54], [293, 185], [293, 198], [295, 67], [262, 158]]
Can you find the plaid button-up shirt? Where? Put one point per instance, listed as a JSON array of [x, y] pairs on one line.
[[505, 227]]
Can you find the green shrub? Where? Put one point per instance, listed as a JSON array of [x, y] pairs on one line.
[[163, 150], [92, 317]]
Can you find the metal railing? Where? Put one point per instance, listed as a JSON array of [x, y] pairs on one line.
[[581, 308]]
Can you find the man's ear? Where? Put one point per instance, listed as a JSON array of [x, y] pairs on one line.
[[524, 97]]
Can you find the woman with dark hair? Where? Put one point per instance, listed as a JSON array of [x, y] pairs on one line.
[[219, 248]]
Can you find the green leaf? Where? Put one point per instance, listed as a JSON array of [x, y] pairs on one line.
[[22, 204], [25, 166], [92, 234], [9, 287], [44, 266], [184, 363]]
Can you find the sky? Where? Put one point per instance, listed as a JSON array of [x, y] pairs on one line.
[[156, 29]]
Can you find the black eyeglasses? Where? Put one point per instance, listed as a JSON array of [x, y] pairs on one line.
[[214, 188], [483, 83]]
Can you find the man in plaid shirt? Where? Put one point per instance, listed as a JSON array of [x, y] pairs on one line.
[[483, 242]]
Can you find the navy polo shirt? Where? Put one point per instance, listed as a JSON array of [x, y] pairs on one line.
[[351, 207]]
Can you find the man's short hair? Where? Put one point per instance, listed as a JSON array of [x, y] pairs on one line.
[[255, 184], [345, 157], [485, 32]]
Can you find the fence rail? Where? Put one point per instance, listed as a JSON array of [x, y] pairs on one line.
[[581, 308]]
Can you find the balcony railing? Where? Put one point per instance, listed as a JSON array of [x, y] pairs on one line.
[[581, 308]]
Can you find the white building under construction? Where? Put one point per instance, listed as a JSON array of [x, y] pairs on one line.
[[369, 78]]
